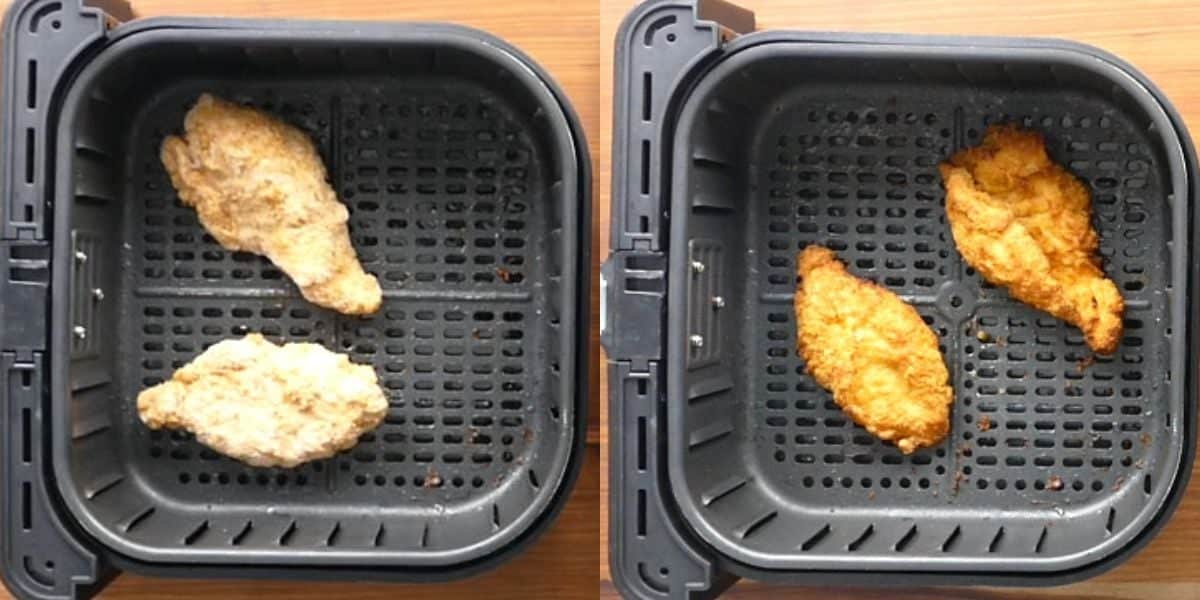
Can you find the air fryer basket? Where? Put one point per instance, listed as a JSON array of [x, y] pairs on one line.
[[461, 174], [1056, 458]]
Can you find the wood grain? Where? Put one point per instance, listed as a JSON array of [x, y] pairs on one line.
[[1161, 38], [563, 38]]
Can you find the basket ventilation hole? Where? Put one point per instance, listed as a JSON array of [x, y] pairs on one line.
[[195, 534], [1041, 540], [287, 534], [241, 535], [815, 538], [907, 539], [138, 519], [647, 80], [757, 524], [31, 99], [995, 544], [950, 542], [861, 539], [641, 513]]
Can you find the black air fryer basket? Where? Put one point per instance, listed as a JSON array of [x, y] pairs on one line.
[[734, 152], [466, 178]]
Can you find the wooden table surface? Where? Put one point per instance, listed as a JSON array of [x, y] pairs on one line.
[[1162, 38], [573, 40], [563, 38]]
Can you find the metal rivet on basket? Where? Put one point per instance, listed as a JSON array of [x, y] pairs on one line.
[[80, 332], [80, 256], [718, 302], [697, 266], [696, 340], [97, 294]]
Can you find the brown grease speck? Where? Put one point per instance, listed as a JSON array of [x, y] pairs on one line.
[[432, 480], [1084, 363]]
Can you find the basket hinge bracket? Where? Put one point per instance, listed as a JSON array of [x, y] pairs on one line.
[[659, 45], [632, 285], [24, 289]]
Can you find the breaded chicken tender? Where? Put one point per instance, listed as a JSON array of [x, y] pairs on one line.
[[259, 186], [1024, 223], [873, 352], [268, 405]]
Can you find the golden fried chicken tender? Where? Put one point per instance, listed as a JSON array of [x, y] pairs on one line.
[[873, 352], [258, 185], [1024, 223], [268, 405]]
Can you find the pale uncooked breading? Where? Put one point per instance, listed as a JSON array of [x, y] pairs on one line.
[[268, 405], [1025, 223], [258, 185], [870, 349]]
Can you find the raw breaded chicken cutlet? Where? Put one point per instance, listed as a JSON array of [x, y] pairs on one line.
[[873, 352], [258, 185], [268, 405], [1024, 223]]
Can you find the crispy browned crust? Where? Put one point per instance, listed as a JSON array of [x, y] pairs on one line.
[[873, 352], [1024, 223]]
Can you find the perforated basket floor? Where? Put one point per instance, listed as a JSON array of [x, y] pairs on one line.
[[442, 183], [457, 204], [1054, 455]]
